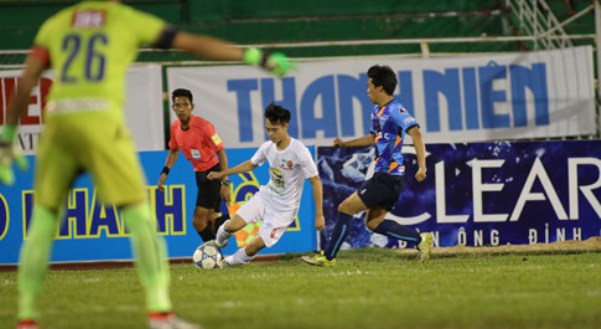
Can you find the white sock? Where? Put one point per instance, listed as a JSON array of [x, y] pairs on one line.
[[222, 235], [239, 258]]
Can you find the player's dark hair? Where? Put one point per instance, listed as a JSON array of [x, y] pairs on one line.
[[277, 114], [180, 92], [383, 75]]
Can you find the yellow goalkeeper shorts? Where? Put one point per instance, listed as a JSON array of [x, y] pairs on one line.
[[71, 144]]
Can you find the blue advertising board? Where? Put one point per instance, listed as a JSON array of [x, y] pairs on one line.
[[92, 231], [479, 194]]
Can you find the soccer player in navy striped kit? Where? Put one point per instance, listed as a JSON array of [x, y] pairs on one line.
[[390, 123]]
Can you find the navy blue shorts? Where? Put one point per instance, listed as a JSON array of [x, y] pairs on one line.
[[208, 190], [382, 190]]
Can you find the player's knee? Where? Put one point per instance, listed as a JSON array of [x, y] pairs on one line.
[[229, 227], [235, 224], [372, 225]]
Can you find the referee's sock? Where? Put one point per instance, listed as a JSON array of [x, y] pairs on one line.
[[207, 234], [397, 231], [220, 221], [341, 230]]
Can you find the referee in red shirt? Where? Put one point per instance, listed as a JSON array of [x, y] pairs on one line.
[[200, 143]]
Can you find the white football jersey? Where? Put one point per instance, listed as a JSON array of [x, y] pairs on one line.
[[287, 173]]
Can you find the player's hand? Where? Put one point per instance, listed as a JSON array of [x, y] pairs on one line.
[[420, 175], [161, 181], [214, 175], [338, 142], [279, 64], [320, 222], [225, 193], [7, 155], [276, 63]]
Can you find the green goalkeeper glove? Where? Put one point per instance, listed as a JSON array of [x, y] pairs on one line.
[[8, 154], [276, 63]]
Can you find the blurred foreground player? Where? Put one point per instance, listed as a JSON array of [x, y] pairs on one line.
[[90, 46]]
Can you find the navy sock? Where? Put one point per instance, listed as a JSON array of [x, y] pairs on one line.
[[397, 231], [341, 230], [220, 220]]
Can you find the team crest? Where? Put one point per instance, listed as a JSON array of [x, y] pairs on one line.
[[287, 164]]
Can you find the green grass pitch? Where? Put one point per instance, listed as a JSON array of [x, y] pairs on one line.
[[369, 288]]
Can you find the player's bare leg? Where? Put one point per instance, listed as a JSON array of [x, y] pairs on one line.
[[245, 255], [228, 228], [201, 224], [374, 217], [352, 205]]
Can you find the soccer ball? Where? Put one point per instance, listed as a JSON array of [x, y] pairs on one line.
[[207, 257]]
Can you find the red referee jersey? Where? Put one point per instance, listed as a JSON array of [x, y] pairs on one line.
[[200, 143]]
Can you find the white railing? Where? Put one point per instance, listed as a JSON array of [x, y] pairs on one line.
[[535, 18], [424, 42]]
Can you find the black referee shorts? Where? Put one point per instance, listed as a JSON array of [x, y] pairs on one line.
[[382, 190], [208, 190]]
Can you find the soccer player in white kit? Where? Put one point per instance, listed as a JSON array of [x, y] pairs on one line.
[[277, 202]]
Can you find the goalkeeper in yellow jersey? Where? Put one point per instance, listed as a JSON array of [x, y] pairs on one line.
[[90, 46]]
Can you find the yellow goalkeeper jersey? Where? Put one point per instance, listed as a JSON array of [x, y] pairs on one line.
[[90, 47]]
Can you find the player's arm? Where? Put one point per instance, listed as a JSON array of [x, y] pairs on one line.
[[169, 163], [244, 167], [207, 47], [35, 64], [366, 140], [37, 61], [155, 32], [225, 182], [222, 159], [216, 49], [320, 223], [420, 152]]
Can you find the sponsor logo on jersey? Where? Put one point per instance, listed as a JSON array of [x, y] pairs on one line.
[[89, 18]]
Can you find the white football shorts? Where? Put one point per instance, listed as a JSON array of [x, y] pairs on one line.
[[275, 221]]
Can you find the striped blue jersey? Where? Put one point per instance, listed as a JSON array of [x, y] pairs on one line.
[[389, 125]]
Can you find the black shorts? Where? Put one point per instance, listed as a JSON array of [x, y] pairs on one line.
[[208, 190], [382, 190]]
